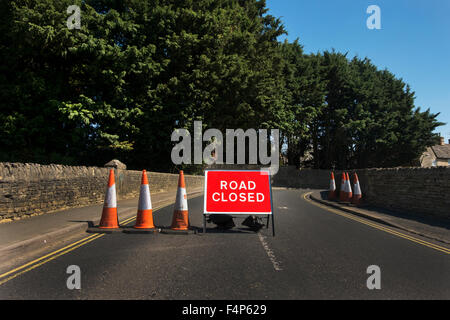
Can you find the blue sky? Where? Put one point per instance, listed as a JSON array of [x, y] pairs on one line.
[[413, 43]]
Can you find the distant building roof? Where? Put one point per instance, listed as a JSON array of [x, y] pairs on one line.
[[442, 152]]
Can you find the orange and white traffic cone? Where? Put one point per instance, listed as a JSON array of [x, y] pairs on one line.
[[109, 218], [144, 219], [348, 188], [180, 219], [332, 190], [357, 195], [109, 221], [342, 193]]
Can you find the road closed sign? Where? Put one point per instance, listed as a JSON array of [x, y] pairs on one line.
[[237, 192]]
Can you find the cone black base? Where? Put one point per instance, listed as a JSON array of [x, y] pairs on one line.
[[141, 231], [103, 230]]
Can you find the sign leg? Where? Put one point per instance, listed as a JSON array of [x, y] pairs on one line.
[[273, 226], [204, 224]]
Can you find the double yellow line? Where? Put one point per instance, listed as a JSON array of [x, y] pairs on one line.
[[379, 227], [5, 277]]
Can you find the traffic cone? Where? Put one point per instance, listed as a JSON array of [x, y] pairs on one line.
[[180, 219], [109, 218], [342, 193], [357, 195], [332, 190], [144, 219], [109, 221], [348, 188]]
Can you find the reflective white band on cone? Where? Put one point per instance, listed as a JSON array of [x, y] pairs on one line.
[[181, 203], [110, 198], [145, 202], [348, 187], [332, 185], [357, 189]]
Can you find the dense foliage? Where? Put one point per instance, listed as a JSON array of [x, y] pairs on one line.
[[136, 70]]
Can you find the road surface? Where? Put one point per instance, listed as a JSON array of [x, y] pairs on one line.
[[316, 254]]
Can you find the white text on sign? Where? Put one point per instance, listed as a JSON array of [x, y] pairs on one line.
[[241, 196]]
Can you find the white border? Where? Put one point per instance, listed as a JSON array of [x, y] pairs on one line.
[[243, 212]]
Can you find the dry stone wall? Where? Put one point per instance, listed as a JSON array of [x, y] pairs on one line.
[[415, 190], [29, 189]]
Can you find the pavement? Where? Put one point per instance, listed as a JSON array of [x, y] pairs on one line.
[[22, 239], [428, 227], [318, 253]]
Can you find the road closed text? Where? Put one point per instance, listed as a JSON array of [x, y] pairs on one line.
[[243, 192]]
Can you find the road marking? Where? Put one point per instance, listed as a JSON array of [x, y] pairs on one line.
[[270, 254], [96, 236], [45, 256], [57, 253], [379, 227]]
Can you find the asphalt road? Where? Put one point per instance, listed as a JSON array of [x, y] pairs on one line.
[[316, 254]]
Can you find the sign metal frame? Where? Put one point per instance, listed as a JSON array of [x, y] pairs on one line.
[[268, 214]]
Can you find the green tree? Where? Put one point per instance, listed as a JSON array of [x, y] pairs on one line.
[[133, 72], [136, 70]]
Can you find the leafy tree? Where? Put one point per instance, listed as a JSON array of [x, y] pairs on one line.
[[369, 118], [136, 70]]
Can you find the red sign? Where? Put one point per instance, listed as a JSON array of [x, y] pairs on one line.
[[237, 192]]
